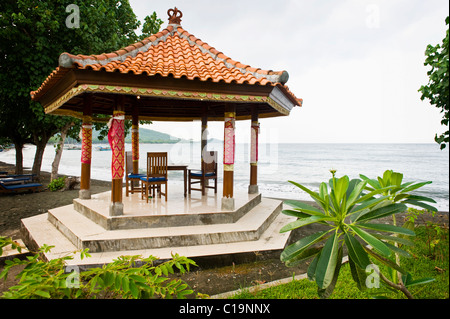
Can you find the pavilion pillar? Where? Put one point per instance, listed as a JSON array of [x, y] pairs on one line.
[[228, 157], [204, 140], [205, 156], [86, 149], [116, 137], [135, 138], [253, 187]]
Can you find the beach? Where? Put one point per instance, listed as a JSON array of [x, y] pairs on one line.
[[211, 278]]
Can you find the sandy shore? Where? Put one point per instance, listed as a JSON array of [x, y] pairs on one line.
[[229, 274]]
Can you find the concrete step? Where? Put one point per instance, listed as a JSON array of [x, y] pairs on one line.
[[84, 233], [40, 231], [73, 225]]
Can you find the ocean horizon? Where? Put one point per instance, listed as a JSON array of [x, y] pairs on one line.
[[306, 163]]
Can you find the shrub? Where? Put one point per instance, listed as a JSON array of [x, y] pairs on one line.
[[57, 184], [129, 277]]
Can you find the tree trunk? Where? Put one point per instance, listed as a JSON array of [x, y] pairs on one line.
[[19, 158], [40, 148], [59, 150]]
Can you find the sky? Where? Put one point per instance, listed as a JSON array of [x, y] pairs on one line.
[[357, 64]]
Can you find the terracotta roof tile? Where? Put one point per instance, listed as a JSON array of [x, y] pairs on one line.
[[170, 52]]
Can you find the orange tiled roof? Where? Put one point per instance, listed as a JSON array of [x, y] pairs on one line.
[[170, 52]]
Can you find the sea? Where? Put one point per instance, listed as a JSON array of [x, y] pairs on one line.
[[307, 164]]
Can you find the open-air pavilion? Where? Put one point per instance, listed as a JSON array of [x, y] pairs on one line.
[[169, 76]]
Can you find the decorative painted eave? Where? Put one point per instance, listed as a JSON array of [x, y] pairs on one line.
[[276, 99]]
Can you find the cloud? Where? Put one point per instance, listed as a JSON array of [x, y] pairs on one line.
[[356, 63]]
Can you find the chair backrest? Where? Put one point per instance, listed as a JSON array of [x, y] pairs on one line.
[[209, 164], [157, 164], [129, 162]]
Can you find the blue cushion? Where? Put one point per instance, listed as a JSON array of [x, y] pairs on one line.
[[136, 175], [15, 179], [199, 174], [153, 179], [18, 186]]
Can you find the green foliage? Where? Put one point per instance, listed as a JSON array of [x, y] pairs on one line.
[[122, 278], [4, 142], [398, 192], [437, 89], [151, 26], [6, 241], [352, 219], [130, 277], [57, 184], [39, 279], [435, 234]]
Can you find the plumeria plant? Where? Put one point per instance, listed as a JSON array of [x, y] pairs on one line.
[[349, 217], [401, 193]]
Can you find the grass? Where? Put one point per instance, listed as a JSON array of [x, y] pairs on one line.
[[429, 258]]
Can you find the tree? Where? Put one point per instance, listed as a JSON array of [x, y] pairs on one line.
[[59, 149], [151, 26], [32, 36], [14, 131], [438, 84]]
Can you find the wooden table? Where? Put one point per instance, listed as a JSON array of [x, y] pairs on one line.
[[180, 168]]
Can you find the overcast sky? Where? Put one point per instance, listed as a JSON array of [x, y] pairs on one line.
[[357, 64]]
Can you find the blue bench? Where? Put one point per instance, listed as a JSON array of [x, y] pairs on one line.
[[5, 188], [14, 180]]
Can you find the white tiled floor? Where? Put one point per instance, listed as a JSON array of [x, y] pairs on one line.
[[176, 203]]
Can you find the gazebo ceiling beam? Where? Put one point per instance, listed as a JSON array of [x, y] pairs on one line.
[[154, 106], [162, 110]]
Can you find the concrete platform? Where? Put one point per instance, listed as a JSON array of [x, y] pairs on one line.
[[84, 233], [177, 211], [44, 232], [200, 228]]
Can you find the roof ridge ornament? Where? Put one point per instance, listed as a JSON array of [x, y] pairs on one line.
[[174, 16]]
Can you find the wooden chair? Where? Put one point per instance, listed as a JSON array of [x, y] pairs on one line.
[[156, 174], [131, 178], [208, 171]]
